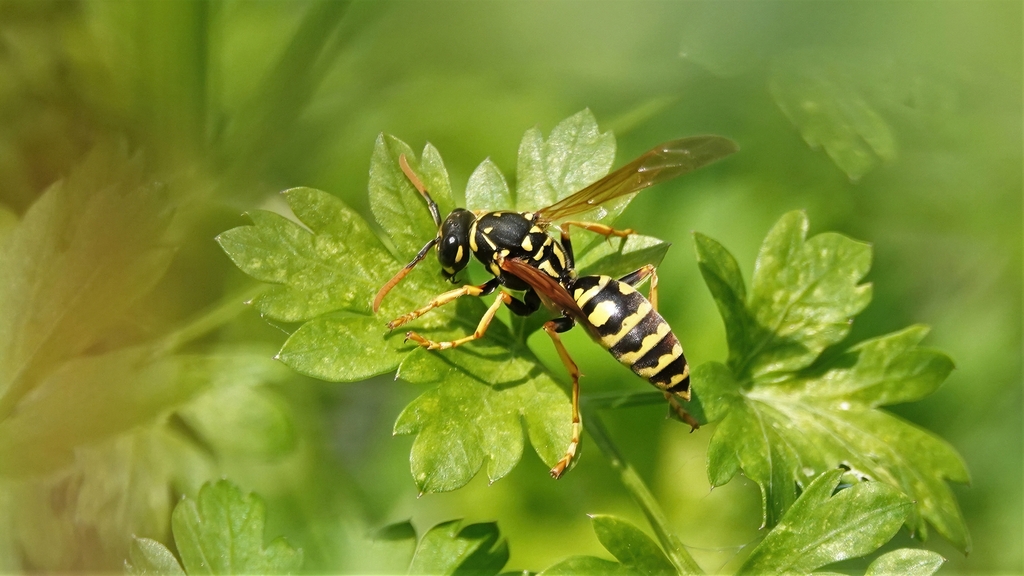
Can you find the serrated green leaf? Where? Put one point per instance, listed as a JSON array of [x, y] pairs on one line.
[[150, 558], [575, 154], [221, 532], [802, 296], [630, 546], [487, 188], [450, 548], [335, 264], [343, 347], [824, 527], [906, 562], [396, 204], [781, 426], [590, 565], [475, 414], [82, 254], [621, 256]]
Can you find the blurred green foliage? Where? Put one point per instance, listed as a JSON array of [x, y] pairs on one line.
[[122, 332]]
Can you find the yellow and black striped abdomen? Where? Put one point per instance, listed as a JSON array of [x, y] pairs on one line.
[[624, 322]]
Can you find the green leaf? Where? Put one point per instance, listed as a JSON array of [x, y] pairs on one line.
[[448, 548], [783, 423], [242, 420], [906, 562], [574, 155], [630, 546], [487, 188], [590, 565], [621, 256], [396, 204], [391, 548], [336, 263], [148, 557], [476, 411], [80, 257], [825, 526], [221, 532]]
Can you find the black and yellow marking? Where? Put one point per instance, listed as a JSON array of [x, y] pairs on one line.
[[625, 323]]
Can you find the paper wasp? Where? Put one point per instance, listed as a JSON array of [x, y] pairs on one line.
[[517, 250]]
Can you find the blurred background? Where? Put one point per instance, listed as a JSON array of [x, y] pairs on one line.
[[130, 372]]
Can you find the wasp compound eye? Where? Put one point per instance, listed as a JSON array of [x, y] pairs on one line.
[[453, 249]]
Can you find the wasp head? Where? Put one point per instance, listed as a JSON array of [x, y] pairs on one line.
[[453, 244]]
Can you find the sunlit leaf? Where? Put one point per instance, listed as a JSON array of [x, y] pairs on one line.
[[221, 532], [783, 424], [475, 414], [574, 155], [906, 562], [450, 548], [824, 526], [487, 188], [576, 565], [151, 558]]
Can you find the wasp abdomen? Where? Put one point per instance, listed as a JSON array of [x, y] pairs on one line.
[[625, 323]]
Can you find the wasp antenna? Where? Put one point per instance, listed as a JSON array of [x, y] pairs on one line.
[[418, 184], [401, 274]]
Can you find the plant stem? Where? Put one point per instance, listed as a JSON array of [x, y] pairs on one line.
[[634, 484]]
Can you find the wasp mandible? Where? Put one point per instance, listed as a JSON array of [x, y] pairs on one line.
[[517, 250]]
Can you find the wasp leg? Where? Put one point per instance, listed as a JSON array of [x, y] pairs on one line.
[[681, 412], [553, 327], [468, 290], [528, 305], [596, 228], [638, 276], [418, 184], [481, 329]]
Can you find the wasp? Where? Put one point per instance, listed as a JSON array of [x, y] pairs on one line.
[[521, 255]]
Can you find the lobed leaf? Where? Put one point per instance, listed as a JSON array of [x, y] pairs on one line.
[[824, 526], [221, 532], [782, 424], [475, 414], [450, 548], [574, 155]]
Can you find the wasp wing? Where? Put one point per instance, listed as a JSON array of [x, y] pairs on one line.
[[661, 163], [546, 287]]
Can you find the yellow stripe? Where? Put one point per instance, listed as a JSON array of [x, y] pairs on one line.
[[648, 344], [540, 253], [602, 312], [627, 324], [472, 237], [546, 267], [559, 254], [665, 360], [527, 244], [586, 296]]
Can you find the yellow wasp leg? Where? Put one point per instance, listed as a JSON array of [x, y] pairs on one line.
[[449, 296], [597, 228], [574, 373], [481, 328]]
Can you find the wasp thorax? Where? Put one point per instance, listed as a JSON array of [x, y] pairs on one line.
[[453, 248]]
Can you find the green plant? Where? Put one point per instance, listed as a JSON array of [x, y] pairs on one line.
[[791, 406]]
